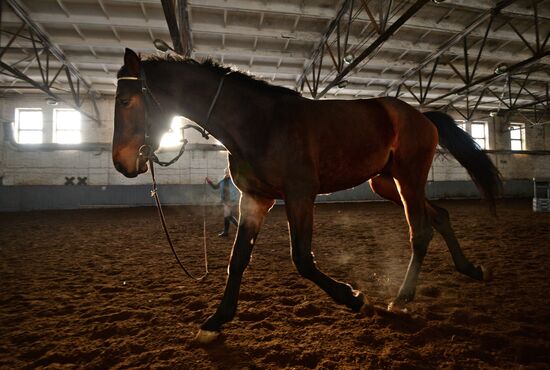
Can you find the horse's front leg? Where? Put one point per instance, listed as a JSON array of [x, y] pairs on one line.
[[252, 213], [299, 210]]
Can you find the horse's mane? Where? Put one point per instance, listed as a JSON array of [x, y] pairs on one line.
[[218, 68]]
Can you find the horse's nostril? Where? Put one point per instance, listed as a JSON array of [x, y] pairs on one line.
[[119, 168], [124, 171]]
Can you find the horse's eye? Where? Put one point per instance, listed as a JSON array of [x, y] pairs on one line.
[[124, 102]]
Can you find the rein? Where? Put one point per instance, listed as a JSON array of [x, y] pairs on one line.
[[146, 151]]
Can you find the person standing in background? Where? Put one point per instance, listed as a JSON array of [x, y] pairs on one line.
[[228, 195]]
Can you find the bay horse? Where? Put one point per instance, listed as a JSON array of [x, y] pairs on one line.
[[284, 146]]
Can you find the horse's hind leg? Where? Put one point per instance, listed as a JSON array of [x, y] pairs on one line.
[[421, 232], [385, 186], [442, 223], [252, 213], [300, 220]]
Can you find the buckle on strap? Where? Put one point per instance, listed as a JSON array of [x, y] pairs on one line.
[[128, 78]]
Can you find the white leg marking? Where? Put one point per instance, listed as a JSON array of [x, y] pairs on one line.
[[205, 336]]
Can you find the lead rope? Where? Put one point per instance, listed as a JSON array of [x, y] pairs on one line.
[[145, 150]]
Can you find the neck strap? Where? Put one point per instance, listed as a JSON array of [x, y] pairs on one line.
[[146, 90], [213, 104]]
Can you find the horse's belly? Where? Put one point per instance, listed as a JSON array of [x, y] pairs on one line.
[[339, 172], [343, 182]]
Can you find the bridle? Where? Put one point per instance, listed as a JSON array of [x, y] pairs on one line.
[[146, 151]]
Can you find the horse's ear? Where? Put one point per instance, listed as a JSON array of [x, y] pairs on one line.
[[131, 61]]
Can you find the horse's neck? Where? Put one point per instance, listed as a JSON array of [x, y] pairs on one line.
[[193, 93]]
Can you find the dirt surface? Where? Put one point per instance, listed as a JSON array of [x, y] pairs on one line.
[[100, 289]]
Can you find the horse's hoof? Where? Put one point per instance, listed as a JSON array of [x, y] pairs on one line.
[[487, 273], [362, 301], [367, 309], [395, 308], [206, 336]]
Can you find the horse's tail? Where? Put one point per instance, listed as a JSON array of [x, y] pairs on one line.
[[468, 153]]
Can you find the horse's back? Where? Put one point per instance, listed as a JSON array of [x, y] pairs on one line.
[[356, 140], [335, 144], [352, 140]]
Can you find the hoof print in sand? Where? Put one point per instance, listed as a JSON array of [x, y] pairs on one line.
[[253, 315], [430, 291], [306, 310]]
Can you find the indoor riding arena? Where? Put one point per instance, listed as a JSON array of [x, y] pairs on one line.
[[241, 184]]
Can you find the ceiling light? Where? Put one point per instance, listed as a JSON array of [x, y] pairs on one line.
[[51, 101], [437, 1], [501, 68], [162, 45], [349, 58], [493, 113]]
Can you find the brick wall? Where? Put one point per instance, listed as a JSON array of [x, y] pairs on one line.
[[50, 167]]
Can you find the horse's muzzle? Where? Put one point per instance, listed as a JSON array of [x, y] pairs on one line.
[[120, 168], [140, 167]]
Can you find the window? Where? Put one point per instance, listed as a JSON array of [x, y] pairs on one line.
[[477, 130], [28, 126], [478, 133], [517, 136], [174, 137], [66, 129]]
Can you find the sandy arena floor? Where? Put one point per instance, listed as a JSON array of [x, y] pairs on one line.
[[100, 289]]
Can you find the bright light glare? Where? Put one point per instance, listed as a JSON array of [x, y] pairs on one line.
[[29, 126], [478, 130], [173, 138], [30, 137], [30, 120], [515, 134], [516, 145], [480, 142], [67, 126]]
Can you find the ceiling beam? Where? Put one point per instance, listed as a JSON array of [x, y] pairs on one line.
[[513, 11], [320, 48], [40, 39], [68, 41], [23, 77], [487, 80], [91, 20], [416, 23], [272, 7], [452, 41], [322, 12], [390, 45], [409, 13], [169, 9], [184, 28], [93, 67], [54, 50], [310, 11]]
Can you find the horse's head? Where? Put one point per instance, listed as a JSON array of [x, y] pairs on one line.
[[133, 119]]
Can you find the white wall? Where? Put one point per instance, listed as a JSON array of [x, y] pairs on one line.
[[512, 165], [30, 167], [41, 167]]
